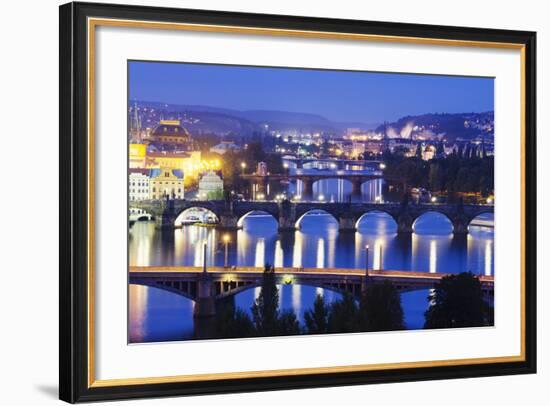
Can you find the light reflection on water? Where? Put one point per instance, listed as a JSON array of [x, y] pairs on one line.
[[156, 315]]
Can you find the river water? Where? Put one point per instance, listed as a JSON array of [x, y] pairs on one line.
[[156, 315]]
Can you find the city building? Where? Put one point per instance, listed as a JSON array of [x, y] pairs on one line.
[[210, 185], [262, 169], [188, 162], [224, 146], [137, 155], [172, 133], [166, 182], [138, 184]]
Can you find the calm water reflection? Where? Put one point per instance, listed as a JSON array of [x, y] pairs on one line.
[[156, 315]]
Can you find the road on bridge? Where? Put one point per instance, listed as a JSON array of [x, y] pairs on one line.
[[136, 271]]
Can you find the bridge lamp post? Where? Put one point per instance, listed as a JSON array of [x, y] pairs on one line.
[[226, 241], [243, 167]]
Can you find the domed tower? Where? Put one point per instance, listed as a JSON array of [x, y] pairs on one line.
[[172, 133]]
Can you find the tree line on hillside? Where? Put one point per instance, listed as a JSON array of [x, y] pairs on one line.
[[451, 174]]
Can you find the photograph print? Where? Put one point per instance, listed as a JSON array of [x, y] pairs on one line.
[[275, 201]]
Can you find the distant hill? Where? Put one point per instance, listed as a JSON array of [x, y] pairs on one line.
[[452, 126], [221, 120]]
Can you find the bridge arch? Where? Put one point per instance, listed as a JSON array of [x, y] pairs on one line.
[[390, 222], [171, 287], [138, 214], [440, 218], [313, 211], [243, 217], [205, 214], [335, 287], [483, 219]]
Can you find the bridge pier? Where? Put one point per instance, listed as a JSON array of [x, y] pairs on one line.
[[229, 222], [262, 189], [204, 312], [404, 224], [347, 223], [356, 189], [287, 216], [286, 224], [307, 188], [460, 227], [165, 221]]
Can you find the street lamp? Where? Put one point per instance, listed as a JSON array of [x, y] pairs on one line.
[[367, 261], [243, 167], [321, 197], [382, 166], [226, 241], [434, 199]]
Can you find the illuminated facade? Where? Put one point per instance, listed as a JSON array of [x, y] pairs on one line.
[[188, 162], [137, 155], [166, 182], [171, 132], [138, 184], [210, 184]]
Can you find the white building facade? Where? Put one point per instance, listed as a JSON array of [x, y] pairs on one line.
[[210, 185], [139, 185]]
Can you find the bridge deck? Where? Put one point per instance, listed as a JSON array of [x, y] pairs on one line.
[[311, 272]]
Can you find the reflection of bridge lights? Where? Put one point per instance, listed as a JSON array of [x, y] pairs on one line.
[[433, 256], [488, 257]]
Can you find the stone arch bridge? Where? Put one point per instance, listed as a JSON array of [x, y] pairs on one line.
[[288, 214]]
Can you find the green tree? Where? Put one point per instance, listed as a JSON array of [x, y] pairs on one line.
[[316, 320], [265, 311], [457, 301], [215, 195], [418, 153], [232, 322], [343, 315], [288, 324], [380, 308]]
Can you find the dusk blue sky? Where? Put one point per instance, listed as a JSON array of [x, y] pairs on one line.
[[339, 96]]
